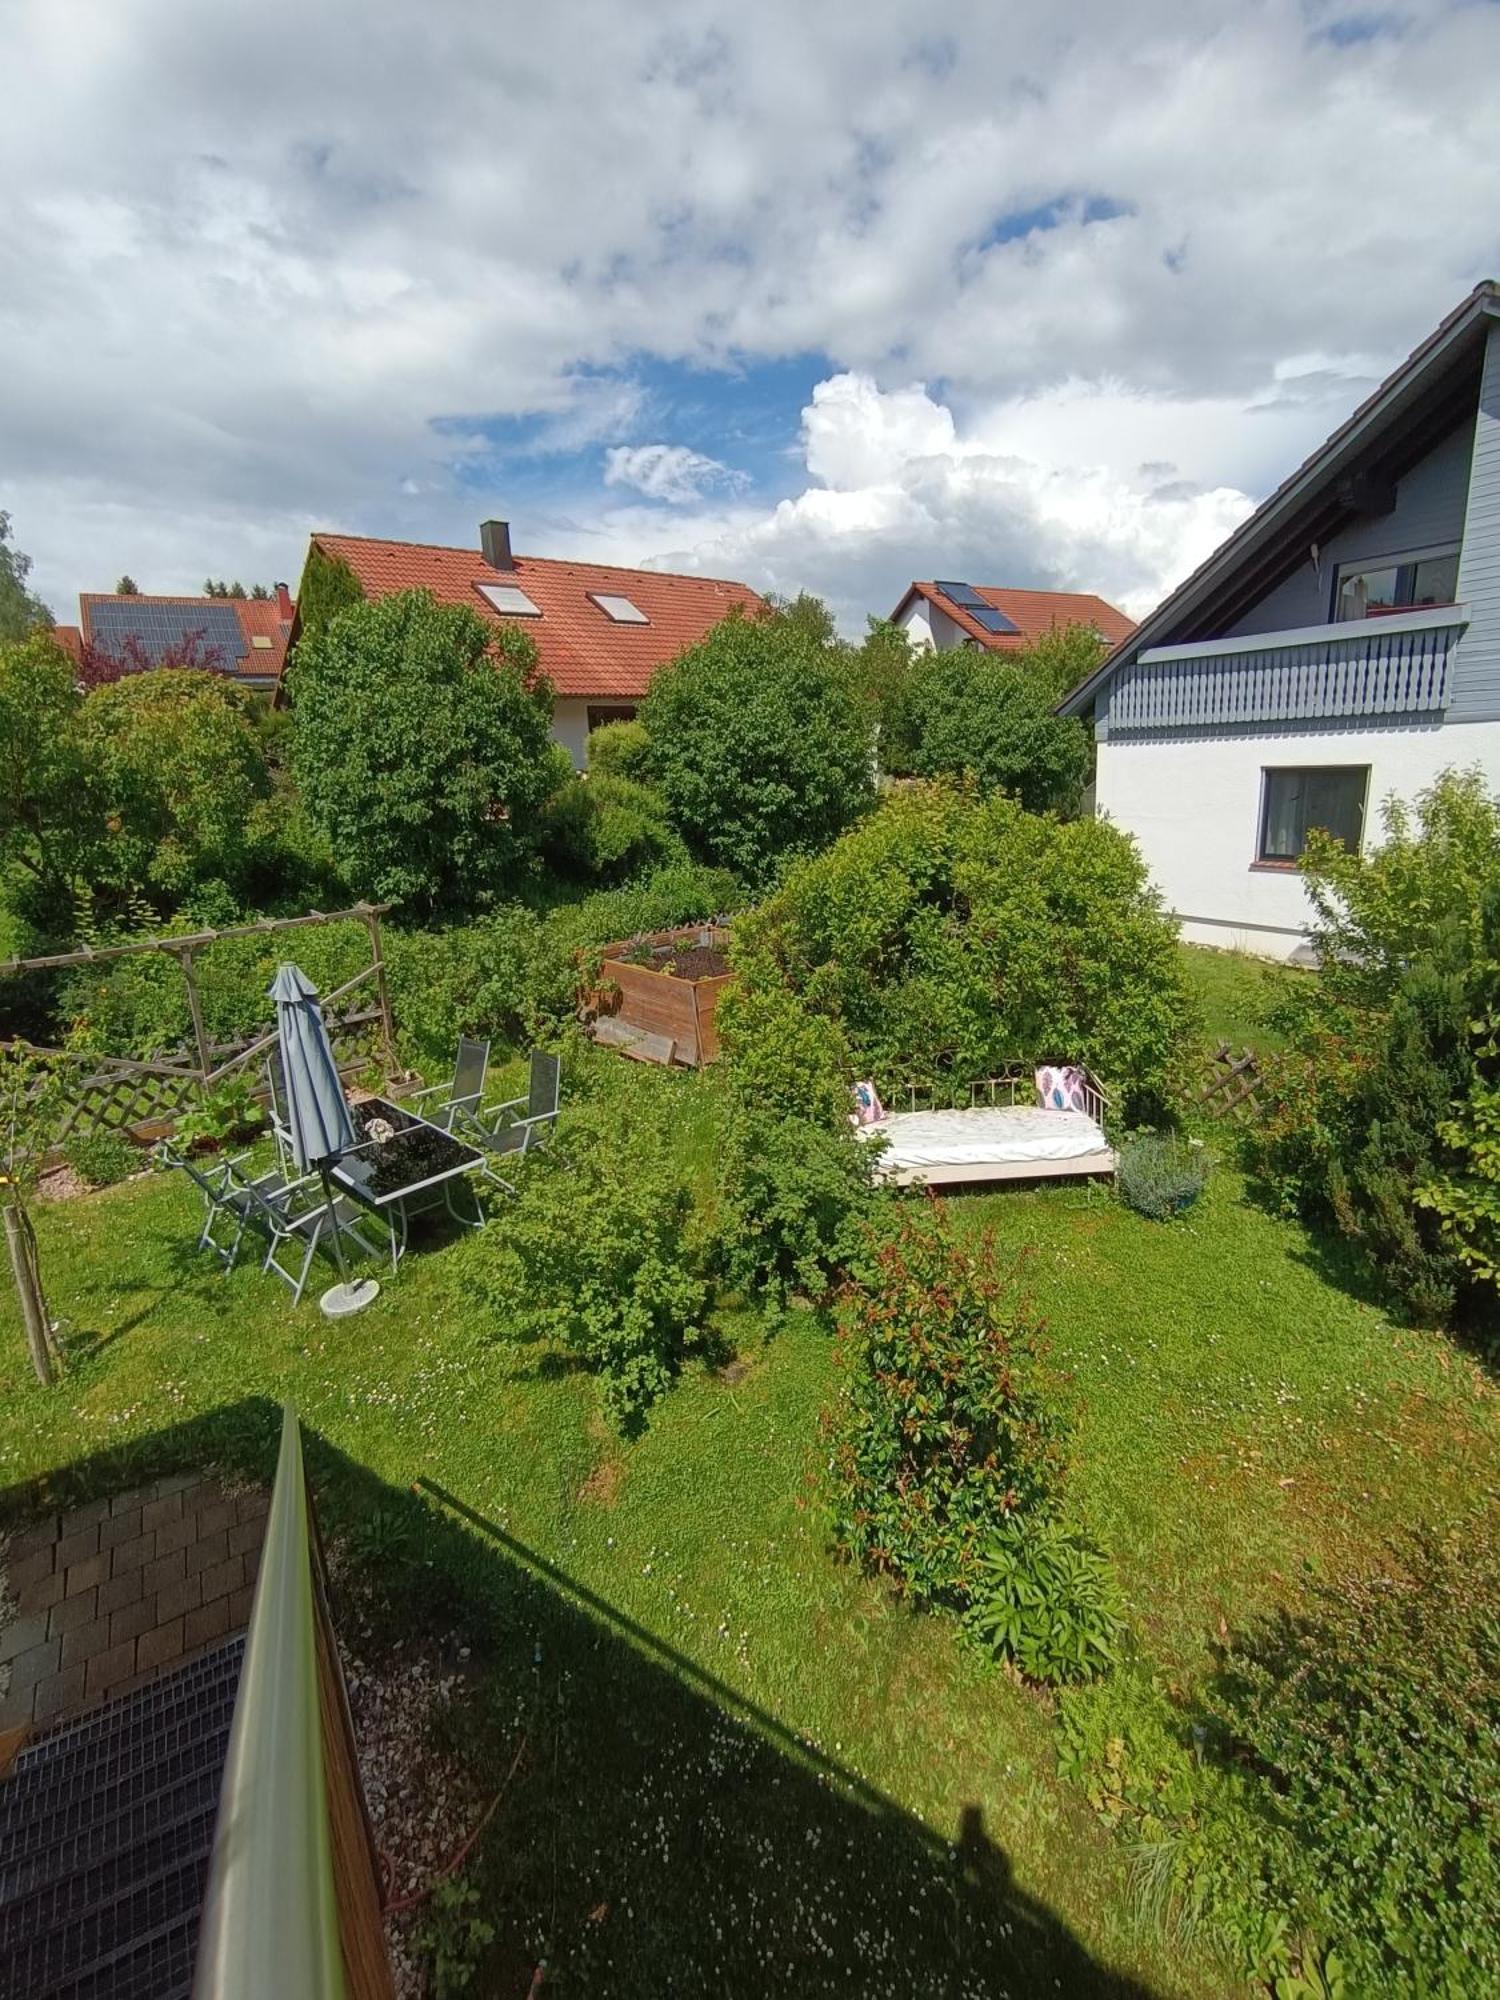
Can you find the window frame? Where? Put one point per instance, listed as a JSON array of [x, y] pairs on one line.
[[607, 712], [508, 610], [1400, 560], [1287, 864], [603, 599]]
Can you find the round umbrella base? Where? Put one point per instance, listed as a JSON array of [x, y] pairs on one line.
[[341, 1300]]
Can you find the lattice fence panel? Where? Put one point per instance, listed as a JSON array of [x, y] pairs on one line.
[[1230, 1086]]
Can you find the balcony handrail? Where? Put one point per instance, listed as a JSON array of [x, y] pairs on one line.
[[1430, 618], [270, 1925]]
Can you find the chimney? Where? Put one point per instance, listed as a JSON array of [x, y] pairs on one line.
[[284, 606], [494, 544]]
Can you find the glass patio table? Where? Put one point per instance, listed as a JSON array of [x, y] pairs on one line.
[[402, 1163]]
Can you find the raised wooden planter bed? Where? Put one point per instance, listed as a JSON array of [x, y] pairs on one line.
[[663, 1011]]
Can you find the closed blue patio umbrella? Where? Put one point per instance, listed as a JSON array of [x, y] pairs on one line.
[[317, 1113]]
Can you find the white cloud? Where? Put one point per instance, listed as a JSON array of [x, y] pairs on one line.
[[666, 471], [249, 253]]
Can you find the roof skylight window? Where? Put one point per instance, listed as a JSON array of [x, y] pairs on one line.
[[508, 598], [620, 609]]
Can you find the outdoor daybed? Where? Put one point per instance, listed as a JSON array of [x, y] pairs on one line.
[[1021, 1126]]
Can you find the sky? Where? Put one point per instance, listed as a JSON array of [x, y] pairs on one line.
[[821, 297]]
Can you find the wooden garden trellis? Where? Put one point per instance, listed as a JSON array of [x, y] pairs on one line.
[[1231, 1085], [144, 1098]]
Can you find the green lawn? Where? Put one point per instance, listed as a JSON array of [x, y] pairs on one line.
[[745, 1769], [1233, 992]]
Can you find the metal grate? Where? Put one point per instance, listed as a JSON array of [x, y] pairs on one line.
[[90, 1943]]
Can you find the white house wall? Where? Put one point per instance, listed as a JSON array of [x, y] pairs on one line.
[[926, 626], [570, 728], [1193, 805]]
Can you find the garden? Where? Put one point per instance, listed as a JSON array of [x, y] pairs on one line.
[[1088, 1588]]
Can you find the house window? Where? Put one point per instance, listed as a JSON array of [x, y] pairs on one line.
[[624, 712], [1404, 584], [1295, 801], [509, 599], [620, 609]]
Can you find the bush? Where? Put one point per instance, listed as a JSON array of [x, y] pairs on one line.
[[972, 714], [619, 750], [759, 744], [422, 750], [783, 1060], [609, 828], [1160, 1176], [1373, 1721], [948, 936], [102, 1158], [793, 1198], [597, 1255], [1045, 1598], [947, 1424]]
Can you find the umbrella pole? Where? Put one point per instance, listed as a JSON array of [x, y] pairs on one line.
[[345, 1297]]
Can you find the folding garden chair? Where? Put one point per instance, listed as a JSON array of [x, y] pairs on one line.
[[281, 1130], [457, 1103], [295, 1215], [222, 1187], [504, 1132]]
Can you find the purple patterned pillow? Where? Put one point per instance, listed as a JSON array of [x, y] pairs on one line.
[[1059, 1087]]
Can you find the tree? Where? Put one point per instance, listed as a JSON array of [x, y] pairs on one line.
[[260, 593], [30, 1103], [21, 611], [328, 587], [1061, 658], [217, 587], [759, 742], [51, 821], [179, 766], [126, 586], [421, 747], [970, 713]]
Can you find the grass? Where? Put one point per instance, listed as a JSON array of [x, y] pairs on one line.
[[746, 1768], [1233, 992]]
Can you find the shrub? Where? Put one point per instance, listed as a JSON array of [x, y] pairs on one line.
[[1044, 1597], [759, 744], [609, 828], [422, 750], [793, 1198], [1160, 1175], [949, 935], [1373, 1720], [619, 750], [782, 1059], [102, 1158], [973, 714], [947, 1424], [597, 1255]]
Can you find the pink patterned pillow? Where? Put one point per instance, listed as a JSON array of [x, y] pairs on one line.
[[868, 1109], [1060, 1088]]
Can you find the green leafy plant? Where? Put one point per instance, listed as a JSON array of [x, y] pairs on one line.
[[228, 1111], [948, 1422], [1160, 1175], [1045, 1598], [598, 1256], [793, 1203], [102, 1158], [380, 1537], [453, 1937], [968, 713]]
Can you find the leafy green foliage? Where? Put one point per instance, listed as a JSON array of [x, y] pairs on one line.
[[51, 816], [759, 743], [794, 1198], [619, 750], [328, 587], [948, 936], [453, 1937], [422, 749], [947, 1423], [597, 1257], [229, 1111], [102, 1158], [1160, 1175], [609, 828], [1045, 1598], [984, 716], [21, 610], [783, 1059], [1383, 1093]]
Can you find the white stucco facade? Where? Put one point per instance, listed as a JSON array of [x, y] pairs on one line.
[[570, 723], [1194, 808], [928, 628]]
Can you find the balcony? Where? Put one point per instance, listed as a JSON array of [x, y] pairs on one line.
[[1394, 665]]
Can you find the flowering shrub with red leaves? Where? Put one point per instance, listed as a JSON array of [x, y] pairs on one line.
[[949, 1422]]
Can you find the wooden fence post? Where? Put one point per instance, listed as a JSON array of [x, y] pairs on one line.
[[382, 993], [20, 1240], [195, 1008]]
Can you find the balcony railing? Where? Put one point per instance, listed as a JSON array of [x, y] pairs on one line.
[[1396, 665]]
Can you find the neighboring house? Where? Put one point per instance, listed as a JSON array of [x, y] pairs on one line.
[[939, 616], [1341, 646], [601, 633], [243, 637]]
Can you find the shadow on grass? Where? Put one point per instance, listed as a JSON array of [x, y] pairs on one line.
[[662, 1834]]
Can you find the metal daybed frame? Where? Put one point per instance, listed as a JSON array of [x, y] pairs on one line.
[[1014, 1088]]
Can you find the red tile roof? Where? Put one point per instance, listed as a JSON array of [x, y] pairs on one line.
[[70, 639], [582, 650], [259, 618], [1034, 612]]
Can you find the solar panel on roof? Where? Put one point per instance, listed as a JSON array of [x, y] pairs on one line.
[[509, 598], [960, 593], [212, 630], [993, 620]]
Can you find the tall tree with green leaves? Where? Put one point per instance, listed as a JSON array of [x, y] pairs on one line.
[[422, 749], [126, 586], [986, 717], [21, 610], [328, 587], [51, 816]]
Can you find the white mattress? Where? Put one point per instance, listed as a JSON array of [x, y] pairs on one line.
[[1010, 1135]]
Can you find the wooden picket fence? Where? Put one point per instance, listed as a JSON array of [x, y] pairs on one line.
[[1230, 1085], [143, 1099]]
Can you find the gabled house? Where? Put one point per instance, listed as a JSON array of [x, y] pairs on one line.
[[1341, 646], [600, 632], [940, 616], [244, 638]]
